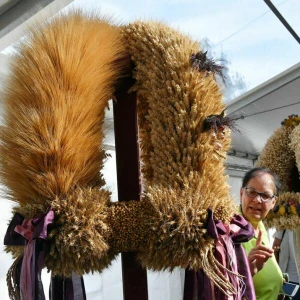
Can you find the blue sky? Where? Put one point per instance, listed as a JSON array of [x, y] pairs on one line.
[[254, 41]]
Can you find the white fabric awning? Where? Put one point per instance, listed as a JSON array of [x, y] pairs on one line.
[[264, 108]]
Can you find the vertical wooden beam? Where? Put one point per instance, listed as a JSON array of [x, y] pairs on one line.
[[129, 186]]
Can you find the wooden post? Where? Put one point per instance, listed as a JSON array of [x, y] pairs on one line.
[[129, 186]]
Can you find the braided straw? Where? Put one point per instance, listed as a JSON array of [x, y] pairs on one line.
[[11, 280]]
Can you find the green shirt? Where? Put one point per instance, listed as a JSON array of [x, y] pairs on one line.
[[268, 281]]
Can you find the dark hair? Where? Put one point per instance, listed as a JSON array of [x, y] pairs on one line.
[[256, 171]]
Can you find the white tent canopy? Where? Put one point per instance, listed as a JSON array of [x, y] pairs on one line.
[[260, 112], [263, 109]]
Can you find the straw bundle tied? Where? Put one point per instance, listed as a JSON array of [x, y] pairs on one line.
[[51, 156], [282, 155], [295, 144], [278, 156], [183, 177]]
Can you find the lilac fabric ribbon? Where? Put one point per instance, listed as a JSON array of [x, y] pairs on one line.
[[199, 286], [32, 234]]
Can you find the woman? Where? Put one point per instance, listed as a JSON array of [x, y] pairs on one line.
[[258, 196]]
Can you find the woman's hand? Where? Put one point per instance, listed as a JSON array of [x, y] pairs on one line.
[[258, 256]]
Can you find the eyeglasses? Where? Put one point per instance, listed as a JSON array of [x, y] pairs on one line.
[[252, 193]]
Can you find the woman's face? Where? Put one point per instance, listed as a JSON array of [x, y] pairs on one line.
[[254, 210]]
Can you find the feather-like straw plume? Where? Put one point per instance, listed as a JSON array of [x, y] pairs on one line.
[[216, 121], [202, 63], [62, 78]]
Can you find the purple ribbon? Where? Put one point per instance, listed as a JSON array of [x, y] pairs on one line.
[[30, 232], [67, 288], [198, 285]]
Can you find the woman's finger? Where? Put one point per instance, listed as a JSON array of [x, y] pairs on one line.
[[260, 255], [262, 248], [259, 238]]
